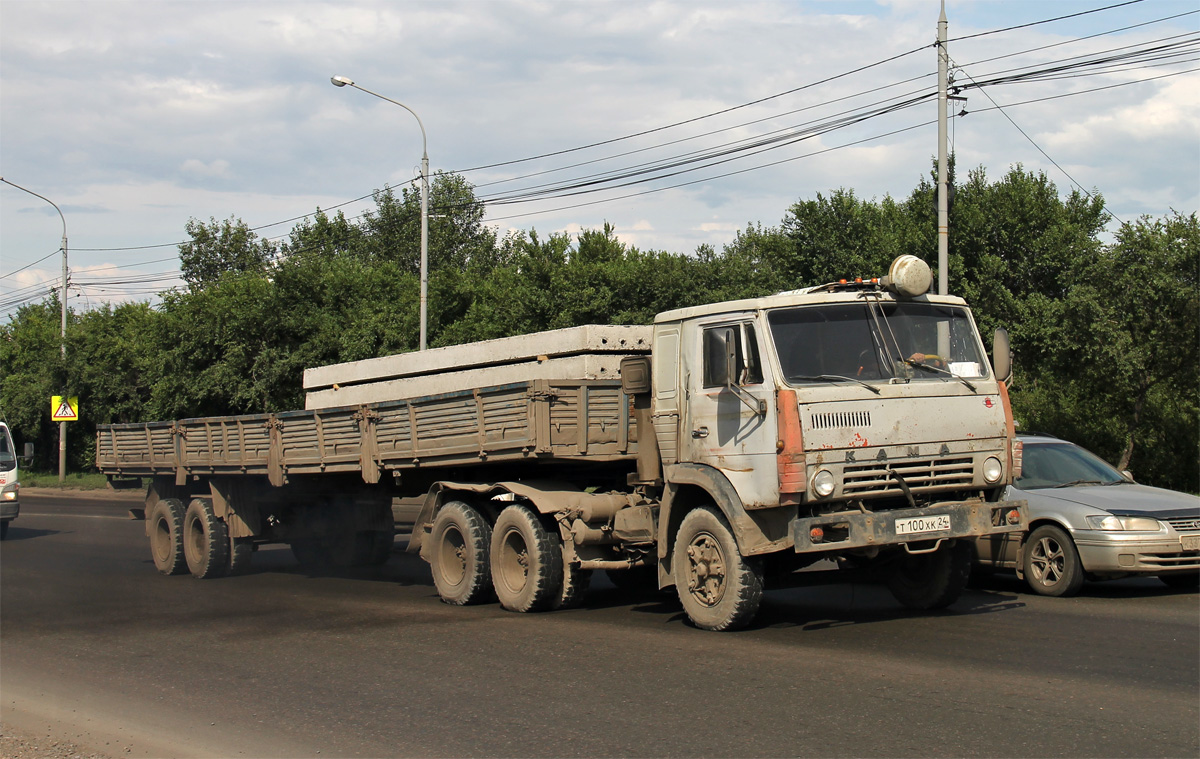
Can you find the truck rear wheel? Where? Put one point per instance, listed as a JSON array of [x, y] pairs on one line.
[[526, 561], [241, 553], [575, 583], [719, 588], [166, 536], [205, 541], [931, 580], [460, 542]]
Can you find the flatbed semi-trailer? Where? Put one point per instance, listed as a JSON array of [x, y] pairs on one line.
[[720, 452]]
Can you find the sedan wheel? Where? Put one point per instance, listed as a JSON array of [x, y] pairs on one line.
[[1051, 562]]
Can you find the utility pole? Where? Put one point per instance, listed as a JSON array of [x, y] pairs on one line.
[[62, 426], [943, 202]]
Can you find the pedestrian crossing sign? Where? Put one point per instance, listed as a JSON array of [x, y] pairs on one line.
[[64, 409]]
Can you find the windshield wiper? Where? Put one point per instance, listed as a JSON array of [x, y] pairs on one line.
[[834, 378], [1078, 482], [939, 370]]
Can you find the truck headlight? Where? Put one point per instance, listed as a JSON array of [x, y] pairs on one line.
[[9, 493], [1111, 522], [992, 469], [823, 483]]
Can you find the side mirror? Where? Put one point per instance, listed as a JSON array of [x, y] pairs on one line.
[[729, 370], [635, 375], [27, 456], [1002, 355], [1127, 475]]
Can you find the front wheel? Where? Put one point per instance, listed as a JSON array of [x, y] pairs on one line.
[[718, 587], [1051, 562], [931, 580]]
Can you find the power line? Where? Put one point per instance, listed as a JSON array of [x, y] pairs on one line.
[[1043, 21]]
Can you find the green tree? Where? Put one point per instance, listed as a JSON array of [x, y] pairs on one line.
[[221, 247]]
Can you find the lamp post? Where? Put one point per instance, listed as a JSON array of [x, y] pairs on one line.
[[341, 81], [62, 426]]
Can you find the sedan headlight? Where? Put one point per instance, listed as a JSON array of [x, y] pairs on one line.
[[1132, 524]]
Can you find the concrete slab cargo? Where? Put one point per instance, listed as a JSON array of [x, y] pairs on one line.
[[559, 343]]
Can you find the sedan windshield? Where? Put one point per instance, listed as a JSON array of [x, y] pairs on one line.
[[1056, 465], [876, 342]]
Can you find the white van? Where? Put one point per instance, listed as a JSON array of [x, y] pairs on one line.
[[10, 488]]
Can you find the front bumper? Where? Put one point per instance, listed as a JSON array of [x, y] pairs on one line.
[[1122, 554], [850, 530], [9, 510]]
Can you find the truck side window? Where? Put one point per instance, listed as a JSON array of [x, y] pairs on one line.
[[749, 366]]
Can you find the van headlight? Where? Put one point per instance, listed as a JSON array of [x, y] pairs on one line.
[[992, 470], [823, 483]]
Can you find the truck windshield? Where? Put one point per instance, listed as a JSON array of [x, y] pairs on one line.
[[817, 343], [8, 457]]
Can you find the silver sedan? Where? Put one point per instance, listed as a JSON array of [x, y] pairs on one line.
[[1087, 520]]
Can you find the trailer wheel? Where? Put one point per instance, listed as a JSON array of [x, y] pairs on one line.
[[460, 542], [205, 541], [719, 588], [931, 580], [526, 561], [166, 536], [241, 553]]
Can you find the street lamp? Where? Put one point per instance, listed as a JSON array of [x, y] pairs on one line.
[[62, 426], [341, 81]]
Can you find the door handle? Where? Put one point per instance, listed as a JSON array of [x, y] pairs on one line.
[[700, 432]]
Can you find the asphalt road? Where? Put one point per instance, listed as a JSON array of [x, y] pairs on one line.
[[98, 649]]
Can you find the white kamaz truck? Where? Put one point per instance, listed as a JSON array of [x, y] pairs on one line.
[[721, 451]]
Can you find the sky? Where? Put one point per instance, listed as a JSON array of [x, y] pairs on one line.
[[134, 117]]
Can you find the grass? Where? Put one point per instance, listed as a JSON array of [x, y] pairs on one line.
[[74, 480]]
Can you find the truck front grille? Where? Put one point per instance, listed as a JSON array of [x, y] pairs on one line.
[[876, 478]]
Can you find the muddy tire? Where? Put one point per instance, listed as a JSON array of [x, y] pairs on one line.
[[1051, 562], [575, 584], [166, 536], [460, 547], [205, 541], [526, 561], [931, 580], [241, 553], [718, 587]]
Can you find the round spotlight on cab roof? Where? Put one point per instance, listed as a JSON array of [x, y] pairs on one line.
[[823, 484], [908, 277], [992, 469]]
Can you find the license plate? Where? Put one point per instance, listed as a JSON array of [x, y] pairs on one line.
[[1190, 542], [916, 525]]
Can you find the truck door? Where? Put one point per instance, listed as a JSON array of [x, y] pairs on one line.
[[725, 427]]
